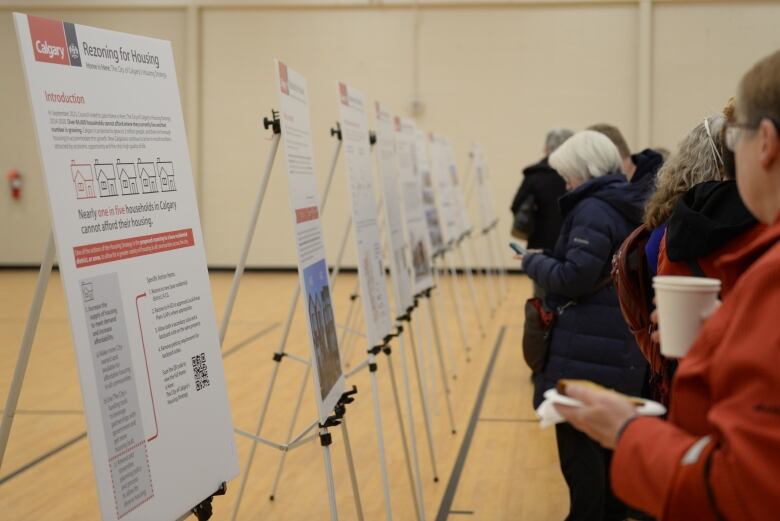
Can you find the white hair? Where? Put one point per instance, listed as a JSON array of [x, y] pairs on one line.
[[585, 155]]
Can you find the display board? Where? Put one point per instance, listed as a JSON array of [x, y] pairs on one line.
[[371, 270], [123, 208], [458, 195], [445, 195], [428, 193], [414, 214], [487, 212], [312, 267], [388, 175]]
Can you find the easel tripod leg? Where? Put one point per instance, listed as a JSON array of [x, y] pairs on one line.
[[459, 309], [416, 493], [442, 368], [492, 269], [293, 420], [25, 349], [472, 290], [380, 437], [351, 466], [487, 278], [334, 512], [250, 233], [427, 373], [501, 268], [445, 327], [426, 410], [267, 401]]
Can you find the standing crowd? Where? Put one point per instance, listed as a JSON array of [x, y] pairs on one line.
[[600, 223]]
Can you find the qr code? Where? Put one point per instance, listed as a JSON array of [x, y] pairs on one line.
[[201, 371]]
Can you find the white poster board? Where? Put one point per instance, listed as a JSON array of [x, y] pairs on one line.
[[388, 174], [445, 196], [411, 194], [428, 193], [312, 266], [487, 212], [114, 150], [456, 187], [371, 270]]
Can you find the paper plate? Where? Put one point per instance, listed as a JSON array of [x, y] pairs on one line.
[[650, 408]]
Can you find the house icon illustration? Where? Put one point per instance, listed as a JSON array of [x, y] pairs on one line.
[[148, 177], [83, 180], [128, 180], [106, 179], [165, 175]]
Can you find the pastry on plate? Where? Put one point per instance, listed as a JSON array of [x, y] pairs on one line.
[[563, 383]]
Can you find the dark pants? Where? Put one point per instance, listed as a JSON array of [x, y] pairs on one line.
[[585, 466]]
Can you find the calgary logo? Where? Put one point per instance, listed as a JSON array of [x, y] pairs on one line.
[[54, 41], [52, 51]]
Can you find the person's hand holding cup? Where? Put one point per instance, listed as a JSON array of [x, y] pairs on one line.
[[683, 303]]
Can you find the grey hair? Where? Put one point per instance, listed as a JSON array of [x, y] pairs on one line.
[[585, 155], [698, 158], [555, 138]]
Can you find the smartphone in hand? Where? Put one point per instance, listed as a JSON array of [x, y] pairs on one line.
[[518, 249]]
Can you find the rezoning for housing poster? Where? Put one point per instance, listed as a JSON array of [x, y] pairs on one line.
[[123, 209], [418, 236], [428, 193], [487, 212], [293, 94], [388, 174], [371, 271], [445, 194]]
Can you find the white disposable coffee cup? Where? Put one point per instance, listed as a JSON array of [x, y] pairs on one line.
[[683, 303]]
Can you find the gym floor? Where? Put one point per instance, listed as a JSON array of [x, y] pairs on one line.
[[499, 464]]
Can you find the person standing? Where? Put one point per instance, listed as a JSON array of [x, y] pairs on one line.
[[717, 455], [589, 337], [640, 168], [539, 192]]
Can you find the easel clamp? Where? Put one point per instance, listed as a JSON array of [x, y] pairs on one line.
[[273, 123], [203, 511], [338, 414]]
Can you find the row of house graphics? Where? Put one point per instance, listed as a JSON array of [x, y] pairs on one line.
[[91, 180]]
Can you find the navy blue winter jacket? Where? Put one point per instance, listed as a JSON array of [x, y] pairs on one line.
[[590, 340]]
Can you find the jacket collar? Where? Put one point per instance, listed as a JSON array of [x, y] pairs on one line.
[[647, 163], [542, 167], [591, 187]]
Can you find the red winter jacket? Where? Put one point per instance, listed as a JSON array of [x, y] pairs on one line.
[[718, 455]]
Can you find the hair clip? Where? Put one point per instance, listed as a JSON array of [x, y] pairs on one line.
[[712, 141]]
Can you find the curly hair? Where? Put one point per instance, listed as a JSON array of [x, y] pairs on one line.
[[695, 161]]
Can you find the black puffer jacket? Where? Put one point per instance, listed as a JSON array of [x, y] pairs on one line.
[[590, 340], [544, 183]]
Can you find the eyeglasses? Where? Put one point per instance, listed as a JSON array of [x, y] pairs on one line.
[[734, 131], [734, 134]]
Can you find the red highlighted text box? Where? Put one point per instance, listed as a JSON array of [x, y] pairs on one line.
[[112, 251]]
